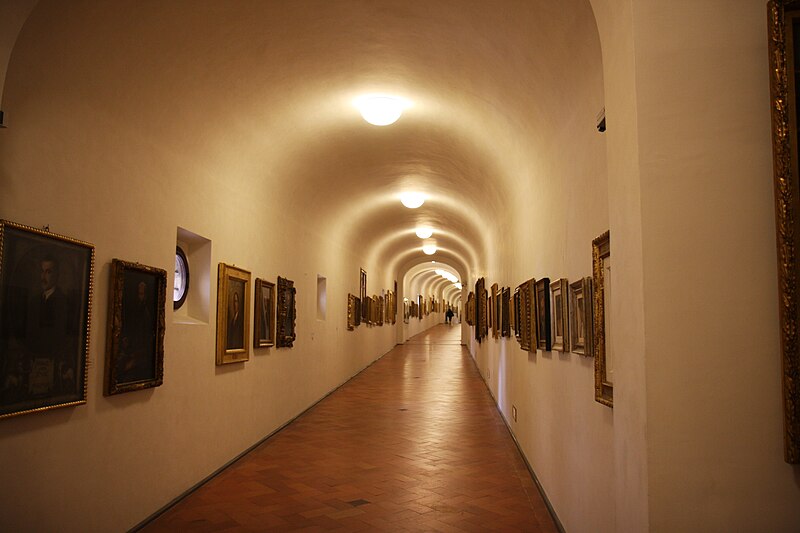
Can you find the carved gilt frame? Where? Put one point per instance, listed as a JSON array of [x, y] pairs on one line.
[[783, 16], [603, 389], [233, 289], [351, 312]]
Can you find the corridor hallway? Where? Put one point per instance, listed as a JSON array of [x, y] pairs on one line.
[[412, 443]]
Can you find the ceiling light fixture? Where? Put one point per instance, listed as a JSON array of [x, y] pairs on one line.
[[429, 249], [412, 200], [423, 232], [381, 109]]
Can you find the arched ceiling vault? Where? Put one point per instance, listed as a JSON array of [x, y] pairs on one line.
[[277, 80]]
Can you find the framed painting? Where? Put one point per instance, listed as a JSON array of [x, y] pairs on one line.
[[135, 338], [264, 316], [480, 309], [601, 268], [784, 57], [362, 293], [542, 298], [559, 319], [505, 312], [233, 314], [494, 308], [516, 311], [527, 319], [45, 315], [580, 317], [379, 315], [286, 313], [357, 312], [351, 312]]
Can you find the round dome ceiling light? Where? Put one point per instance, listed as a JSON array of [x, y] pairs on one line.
[[381, 109], [423, 232], [412, 200], [429, 249]]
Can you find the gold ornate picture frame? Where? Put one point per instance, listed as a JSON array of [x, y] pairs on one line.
[[233, 315], [784, 49], [136, 325], [46, 283], [580, 316], [603, 386], [351, 312], [264, 314]]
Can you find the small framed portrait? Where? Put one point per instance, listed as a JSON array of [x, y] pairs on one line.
[[559, 319], [580, 316], [357, 312], [287, 313], [135, 340], [351, 312], [233, 314], [45, 313], [542, 299], [264, 323]]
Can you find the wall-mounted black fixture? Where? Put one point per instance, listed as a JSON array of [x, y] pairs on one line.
[[601, 120]]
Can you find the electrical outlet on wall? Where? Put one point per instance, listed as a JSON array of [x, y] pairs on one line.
[[514, 412]]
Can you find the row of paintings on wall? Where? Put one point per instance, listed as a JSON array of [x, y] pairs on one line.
[[371, 310], [551, 315], [46, 286]]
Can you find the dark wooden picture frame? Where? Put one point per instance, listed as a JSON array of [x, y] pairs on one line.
[[784, 56], [264, 314], [286, 313], [357, 311], [136, 325], [580, 317], [46, 283], [542, 306], [603, 387], [233, 315], [505, 312]]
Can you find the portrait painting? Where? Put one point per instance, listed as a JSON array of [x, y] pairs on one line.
[[233, 314], [264, 323], [45, 308], [135, 339]]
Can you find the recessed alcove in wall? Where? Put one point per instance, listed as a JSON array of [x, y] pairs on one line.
[[198, 252], [322, 297]]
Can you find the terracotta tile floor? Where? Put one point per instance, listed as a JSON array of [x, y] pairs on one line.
[[413, 443]]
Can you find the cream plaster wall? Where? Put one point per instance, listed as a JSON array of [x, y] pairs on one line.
[[714, 408]]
